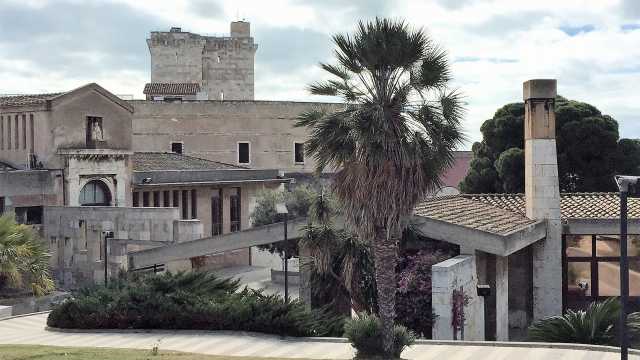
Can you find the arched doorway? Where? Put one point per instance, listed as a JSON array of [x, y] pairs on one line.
[[95, 193]]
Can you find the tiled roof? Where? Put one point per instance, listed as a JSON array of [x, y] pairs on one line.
[[153, 161], [30, 99], [503, 213], [171, 88], [467, 212]]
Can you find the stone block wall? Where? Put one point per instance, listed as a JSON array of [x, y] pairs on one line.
[[455, 273]]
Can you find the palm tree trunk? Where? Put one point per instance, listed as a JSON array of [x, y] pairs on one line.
[[385, 259]]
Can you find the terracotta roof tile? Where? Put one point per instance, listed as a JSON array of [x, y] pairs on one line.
[[171, 88], [27, 99], [154, 161]]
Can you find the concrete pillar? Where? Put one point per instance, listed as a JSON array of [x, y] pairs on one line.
[[542, 194], [502, 298]]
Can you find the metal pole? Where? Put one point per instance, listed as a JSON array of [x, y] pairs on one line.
[[106, 259], [286, 262], [624, 276]]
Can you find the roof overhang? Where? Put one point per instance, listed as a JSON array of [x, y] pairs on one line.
[[598, 226], [497, 244], [204, 177]]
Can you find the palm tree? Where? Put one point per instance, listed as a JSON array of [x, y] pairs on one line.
[[390, 142], [24, 260]]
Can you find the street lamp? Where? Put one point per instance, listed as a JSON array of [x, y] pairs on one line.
[[626, 185], [106, 235], [281, 209]]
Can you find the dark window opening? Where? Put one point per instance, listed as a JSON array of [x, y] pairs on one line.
[[30, 215], [156, 199], [299, 152], [31, 134], [95, 193], [8, 132], [216, 213], [24, 132], [1, 205], [185, 209], [1, 132], [243, 153], [235, 210], [145, 199], [166, 198], [177, 147], [176, 198], [16, 129], [136, 199], [194, 204]]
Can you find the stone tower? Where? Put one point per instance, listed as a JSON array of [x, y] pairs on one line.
[[222, 66], [542, 194]]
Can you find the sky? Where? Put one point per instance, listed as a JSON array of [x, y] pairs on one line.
[[591, 46]]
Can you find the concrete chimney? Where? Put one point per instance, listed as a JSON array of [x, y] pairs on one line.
[[542, 194], [240, 29]]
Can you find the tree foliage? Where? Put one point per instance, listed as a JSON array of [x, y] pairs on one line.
[[392, 139], [24, 259], [588, 147]]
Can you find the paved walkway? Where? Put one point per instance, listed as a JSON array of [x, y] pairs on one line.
[[31, 330]]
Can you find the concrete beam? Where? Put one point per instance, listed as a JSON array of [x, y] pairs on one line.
[[501, 245], [238, 240], [598, 227]]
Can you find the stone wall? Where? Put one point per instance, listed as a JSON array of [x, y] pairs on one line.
[[455, 274], [26, 188], [212, 130]]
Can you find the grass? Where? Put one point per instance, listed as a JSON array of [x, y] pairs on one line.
[[28, 352]]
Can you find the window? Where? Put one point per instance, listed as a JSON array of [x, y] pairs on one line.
[[136, 199], [24, 131], [298, 153], [94, 132], [243, 153], [145, 199], [29, 215], [185, 209], [194, 204], [8, 132], [221, 95], [166, 198], [592, 268], [216, 212], [1, 205], [177, 147], [16, 131], [31, 134], [156, 199], [176, 198], [95, 193], [1, 132], [235, 209]]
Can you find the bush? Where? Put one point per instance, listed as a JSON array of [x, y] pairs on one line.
[[365, 335], [596, 325], [199, 301]]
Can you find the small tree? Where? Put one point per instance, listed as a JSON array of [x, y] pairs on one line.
[[24, 260]]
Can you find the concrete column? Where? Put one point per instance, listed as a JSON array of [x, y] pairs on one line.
[[542, 194], [502, 298]]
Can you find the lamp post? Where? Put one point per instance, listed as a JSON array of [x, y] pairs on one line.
[[626, 185], [106, 235], [281, 209]]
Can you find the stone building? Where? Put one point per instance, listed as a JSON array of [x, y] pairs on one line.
[[221, 66]]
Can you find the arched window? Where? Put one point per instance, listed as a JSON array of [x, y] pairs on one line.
[[95, 193]]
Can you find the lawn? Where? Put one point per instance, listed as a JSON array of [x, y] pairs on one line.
[[26, 352]]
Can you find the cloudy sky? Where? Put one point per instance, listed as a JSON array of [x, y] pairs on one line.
[[591, 46]]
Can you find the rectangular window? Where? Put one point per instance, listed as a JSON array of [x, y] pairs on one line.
[[244, 156], [176, 198], [235, 209], [1, 205], [185, 208], [29, 215], [136, 199], [156, 199], [298, 149], [194, 204], [24, 131], [145, 199], [31, 134], [177, 147], [216, 212], [166, 198], [8, 132], [16, 131]]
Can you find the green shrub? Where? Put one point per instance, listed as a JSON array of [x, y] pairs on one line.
[[193, 300], [597, 325], [365, 335]]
